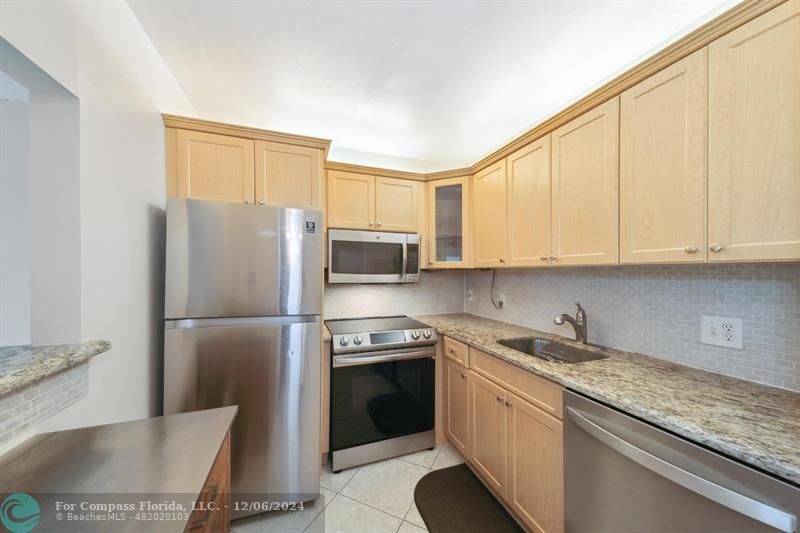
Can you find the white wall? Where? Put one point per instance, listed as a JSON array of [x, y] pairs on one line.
[[122, 198], [15, 223]]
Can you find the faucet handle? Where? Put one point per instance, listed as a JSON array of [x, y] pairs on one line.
[[578, 305]]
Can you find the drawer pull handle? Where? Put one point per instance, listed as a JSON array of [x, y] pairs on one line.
[[691, 249], [716, 247]]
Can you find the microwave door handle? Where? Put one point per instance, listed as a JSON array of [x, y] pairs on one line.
[[404, 273], [740, 503]]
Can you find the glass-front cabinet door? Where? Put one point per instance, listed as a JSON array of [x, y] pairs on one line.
[[449, 223]]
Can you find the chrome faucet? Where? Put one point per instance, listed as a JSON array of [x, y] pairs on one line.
[[578, 324]]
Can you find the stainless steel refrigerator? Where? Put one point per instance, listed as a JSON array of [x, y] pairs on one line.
[[242, 327]]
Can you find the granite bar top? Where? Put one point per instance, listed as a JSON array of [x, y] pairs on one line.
[[23, 365], [754, 423]]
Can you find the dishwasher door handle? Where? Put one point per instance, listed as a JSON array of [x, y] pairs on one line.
[[740, 503]]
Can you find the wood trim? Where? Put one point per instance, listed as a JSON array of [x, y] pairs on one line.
[[208, 126], [373, 171], [448, 174], [704, 35]]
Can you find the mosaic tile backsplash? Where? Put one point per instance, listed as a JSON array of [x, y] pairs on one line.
[[27, 407], [656, 310], [437, 292]]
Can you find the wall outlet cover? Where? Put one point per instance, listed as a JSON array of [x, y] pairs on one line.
[[721, 331], [501, 300]]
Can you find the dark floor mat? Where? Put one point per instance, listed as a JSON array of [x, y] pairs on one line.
[[453, 500]]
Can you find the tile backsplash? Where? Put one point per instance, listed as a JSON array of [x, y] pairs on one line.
[[656, 310], [437, 292]]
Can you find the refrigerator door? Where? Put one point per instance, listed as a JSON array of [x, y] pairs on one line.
[[232, 260], [270, 368]]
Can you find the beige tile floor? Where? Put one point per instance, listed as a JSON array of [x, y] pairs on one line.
[[374, 498]]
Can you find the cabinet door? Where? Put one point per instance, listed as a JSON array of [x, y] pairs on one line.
[[529, 205], [586, 188], [489, 206], [449, 222], [535, 466], [288, 176], [351, 200], [215, 167], [663, 165], [396, 204], [456, 412], [488, 431], [754, 139]]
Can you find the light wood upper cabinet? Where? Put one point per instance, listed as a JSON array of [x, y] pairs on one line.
[[456, 405], [489, 216], [396, 203], [214, 167], [488, 431], [351, 200], [287, 175], [535, 466], [529, 205], [663, 165], [449, 222], [754, 139], [586, 188]]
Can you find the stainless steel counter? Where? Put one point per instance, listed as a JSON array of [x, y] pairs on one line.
[[153, 460]]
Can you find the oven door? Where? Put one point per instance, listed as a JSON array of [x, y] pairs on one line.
[[381, 395], [366, 257]]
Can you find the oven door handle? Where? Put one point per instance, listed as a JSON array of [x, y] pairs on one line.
[[368, 359]]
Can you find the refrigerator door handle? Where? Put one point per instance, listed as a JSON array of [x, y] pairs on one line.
[[739, 503], [188, 323]]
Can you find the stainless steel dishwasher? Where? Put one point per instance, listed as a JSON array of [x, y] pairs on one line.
[[624, 475]]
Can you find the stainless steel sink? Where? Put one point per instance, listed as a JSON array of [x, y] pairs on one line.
[[551, 350]]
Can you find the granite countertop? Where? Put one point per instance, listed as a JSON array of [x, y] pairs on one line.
[[23, 365], [166, 458], [756, 424]]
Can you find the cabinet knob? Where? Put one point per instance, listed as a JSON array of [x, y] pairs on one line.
[[371, 223], [499, 398], [509, 404], [463, 376], [553, 258], [261, 202], [691, 249], [378, 224], [247, 202], [716, 247], [502, 260], [543, 258]]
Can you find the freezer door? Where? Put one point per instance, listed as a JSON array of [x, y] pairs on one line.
[[270, 368], [232, 260]]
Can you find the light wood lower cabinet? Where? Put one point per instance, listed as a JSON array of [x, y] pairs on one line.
[[535, 466], [488, 431], [506, 423], [456, 415], [214, 501], [754, 140]]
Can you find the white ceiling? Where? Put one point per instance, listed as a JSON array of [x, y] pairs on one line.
[[411, 85]]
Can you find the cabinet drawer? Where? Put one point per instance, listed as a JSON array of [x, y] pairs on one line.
[[457, 351], [213, 503], [542, 393]]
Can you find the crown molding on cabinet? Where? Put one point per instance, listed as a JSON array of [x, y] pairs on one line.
[[388, 173], [208, 126], [704, 35]]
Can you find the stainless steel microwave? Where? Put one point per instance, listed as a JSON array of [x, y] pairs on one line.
[[372, 257]]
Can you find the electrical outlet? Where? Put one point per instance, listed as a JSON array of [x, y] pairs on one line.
[[469, 295], [501, 300], [721, 331]]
